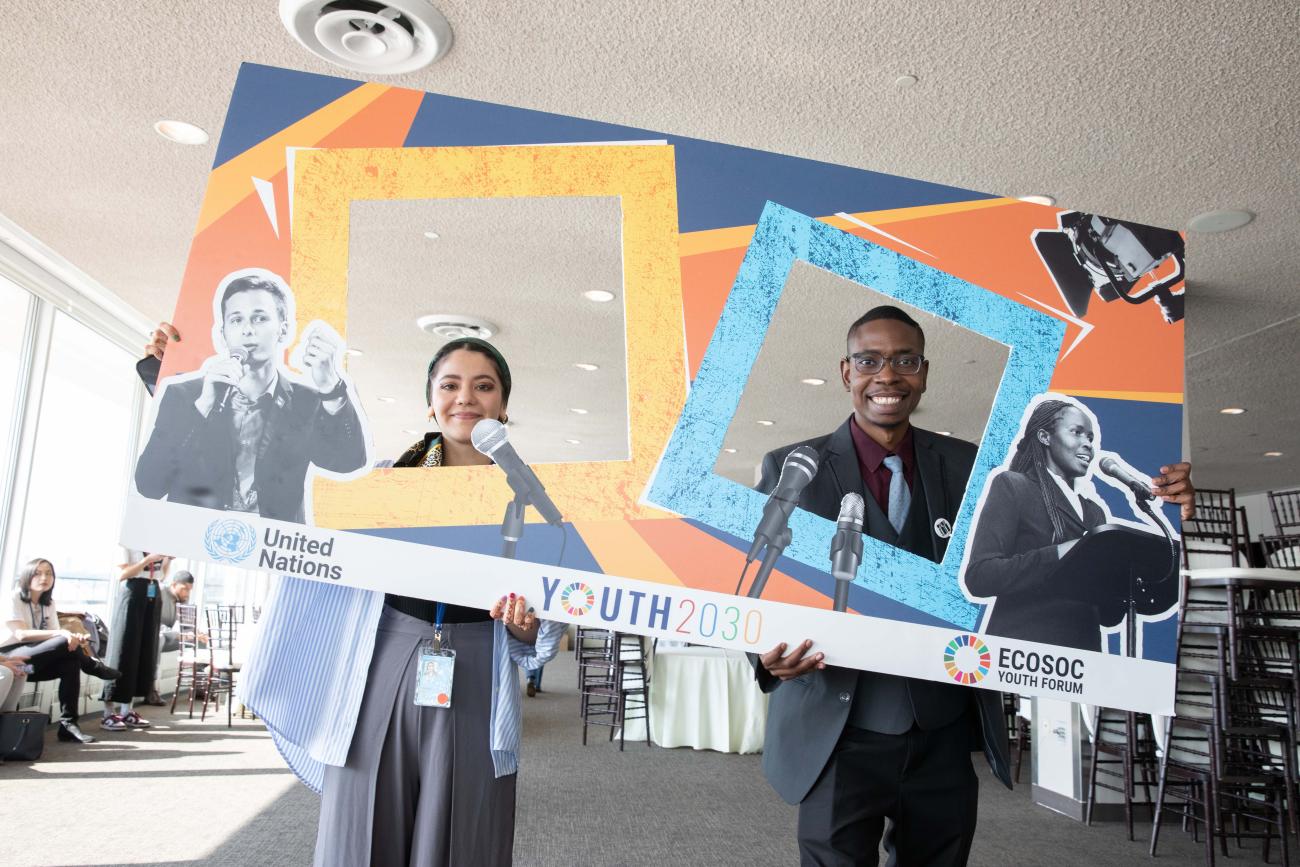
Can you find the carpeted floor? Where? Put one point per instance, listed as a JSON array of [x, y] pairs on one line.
[[191, 792]]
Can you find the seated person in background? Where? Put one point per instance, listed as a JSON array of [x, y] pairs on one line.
[[13, 677], [175, 592], [32, 632]]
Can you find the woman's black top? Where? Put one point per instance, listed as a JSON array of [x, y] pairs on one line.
[[424, 609]]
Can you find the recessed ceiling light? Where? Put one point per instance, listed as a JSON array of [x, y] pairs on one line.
[[407, 430], [1272, 454], [1231, 410], [944, 433], [1219, 221], [903, 82], [432, 236], [599, 295], [386, 399], [574, 442], [354, 352], [813, 380], [587, 366], [1038, 199], [730, 451], [766, 423], [574, 409], [181, 132]]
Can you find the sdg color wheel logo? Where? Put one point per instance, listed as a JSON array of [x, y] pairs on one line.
[[577, 599], [966, 659], [230, 541]]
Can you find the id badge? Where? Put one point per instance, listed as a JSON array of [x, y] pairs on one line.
[[152, 591], [434, 676]]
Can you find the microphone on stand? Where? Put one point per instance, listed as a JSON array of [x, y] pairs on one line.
[[846, 547], [241, 356], [1140, 487], [773, 531], [489, 437]]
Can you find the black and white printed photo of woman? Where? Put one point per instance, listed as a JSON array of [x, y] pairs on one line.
[[1033, 512]]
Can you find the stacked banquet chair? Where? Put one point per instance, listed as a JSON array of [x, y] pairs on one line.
[[1285, 506], [1243, 538], [1127, 740], [192, 665], [223, 629], [1019, 729], [1217, 536], [1228, 755], [1124, 744], [612, 681], [1282, 549]]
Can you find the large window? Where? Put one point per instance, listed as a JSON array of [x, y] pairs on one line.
[[79, 465], [14, 305]]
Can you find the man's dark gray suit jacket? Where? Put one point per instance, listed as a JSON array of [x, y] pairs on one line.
[[190, 458], [807, 714]]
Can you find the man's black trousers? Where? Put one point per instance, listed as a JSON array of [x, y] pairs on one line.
[[922, 781]]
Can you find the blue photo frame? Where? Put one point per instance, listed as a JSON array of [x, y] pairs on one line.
[[685, 482]]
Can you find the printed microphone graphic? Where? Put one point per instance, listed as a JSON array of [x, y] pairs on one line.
[[241, 356], [1140, 487], [489, 437], [846, 547], [773, 532], [798, 470]]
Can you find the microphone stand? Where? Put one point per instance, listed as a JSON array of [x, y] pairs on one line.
[[1135, 580], [770, 556], [512, 526], [842, 594]]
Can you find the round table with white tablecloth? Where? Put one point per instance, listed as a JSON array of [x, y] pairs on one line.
[[705, 698]]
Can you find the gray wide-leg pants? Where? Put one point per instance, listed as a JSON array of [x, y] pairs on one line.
[[419, 787]]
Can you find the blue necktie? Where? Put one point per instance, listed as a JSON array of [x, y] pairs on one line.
[[900, 497]]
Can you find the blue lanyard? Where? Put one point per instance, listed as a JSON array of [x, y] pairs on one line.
[[437, 626]]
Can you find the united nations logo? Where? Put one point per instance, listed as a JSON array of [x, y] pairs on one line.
[[229, 540]]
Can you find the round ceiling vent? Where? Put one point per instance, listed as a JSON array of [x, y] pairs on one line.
[[453, 326], [381, 38]]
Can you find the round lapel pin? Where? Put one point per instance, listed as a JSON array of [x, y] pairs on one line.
[[943, 529]]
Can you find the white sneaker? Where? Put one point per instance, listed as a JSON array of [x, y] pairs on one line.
[[113, 722], [133, 720]]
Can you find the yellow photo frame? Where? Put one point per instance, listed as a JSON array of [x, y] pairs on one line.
[[327, 181]]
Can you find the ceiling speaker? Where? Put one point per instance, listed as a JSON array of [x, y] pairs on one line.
[[385, 38]]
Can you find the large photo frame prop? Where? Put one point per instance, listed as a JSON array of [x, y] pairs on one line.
[[329, 181], [685, 482], [655, 542]]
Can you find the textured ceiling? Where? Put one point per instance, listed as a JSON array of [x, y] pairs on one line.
[[1149, 111], [806, 341], [492, 260]]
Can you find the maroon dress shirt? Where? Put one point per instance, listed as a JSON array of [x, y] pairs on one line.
[[871, 462]]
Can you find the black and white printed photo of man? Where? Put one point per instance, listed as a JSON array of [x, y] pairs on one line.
[[242, 433]]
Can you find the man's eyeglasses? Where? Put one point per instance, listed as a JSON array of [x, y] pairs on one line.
[[869, 363]]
